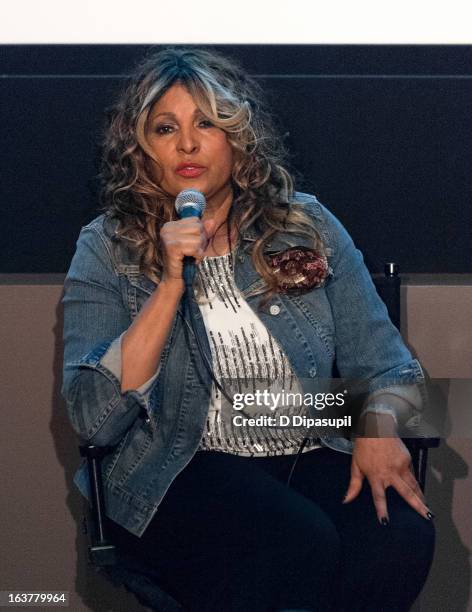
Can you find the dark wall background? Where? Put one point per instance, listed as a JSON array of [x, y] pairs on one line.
[[382, 135]]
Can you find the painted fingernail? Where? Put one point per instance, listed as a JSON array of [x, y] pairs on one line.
[[430, 515], [384, 521]]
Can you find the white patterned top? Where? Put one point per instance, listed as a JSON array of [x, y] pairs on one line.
[[245, 357]]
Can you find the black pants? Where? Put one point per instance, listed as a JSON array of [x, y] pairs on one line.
[[230, 535]]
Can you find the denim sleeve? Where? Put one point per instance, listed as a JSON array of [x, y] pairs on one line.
[[369, 347], [95, 317]]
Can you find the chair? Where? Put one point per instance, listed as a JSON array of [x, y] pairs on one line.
[[104, 556], [388, 287]]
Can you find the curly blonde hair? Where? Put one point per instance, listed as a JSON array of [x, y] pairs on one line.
[[232, 101]]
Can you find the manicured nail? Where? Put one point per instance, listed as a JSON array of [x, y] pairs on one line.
[[430, 515], [384, 521]]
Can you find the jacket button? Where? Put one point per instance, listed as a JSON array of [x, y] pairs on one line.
[[241, 257], [274, 309], [312, 372]]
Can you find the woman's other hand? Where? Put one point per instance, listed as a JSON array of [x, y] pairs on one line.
[[385, 462], [183, 238]]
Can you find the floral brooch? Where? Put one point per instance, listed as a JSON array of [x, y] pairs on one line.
[[298, 270]]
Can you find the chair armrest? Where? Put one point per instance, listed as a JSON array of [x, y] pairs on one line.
[[422, 443]]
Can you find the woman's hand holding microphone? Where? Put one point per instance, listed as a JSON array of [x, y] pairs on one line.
[[183, 238]]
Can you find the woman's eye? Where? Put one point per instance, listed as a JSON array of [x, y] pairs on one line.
[[163, 129], [206, 123]]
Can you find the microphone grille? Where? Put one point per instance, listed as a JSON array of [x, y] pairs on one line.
[[190, 197]]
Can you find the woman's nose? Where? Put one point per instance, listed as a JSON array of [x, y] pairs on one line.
[[188, 141]]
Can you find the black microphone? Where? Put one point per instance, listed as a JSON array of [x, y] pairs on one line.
[[189, 203]]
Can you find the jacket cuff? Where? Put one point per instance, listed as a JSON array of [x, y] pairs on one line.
[[403, 402], [380, 409], [111, 360]]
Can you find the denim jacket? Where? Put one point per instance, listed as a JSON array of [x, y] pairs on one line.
[[156, 430]]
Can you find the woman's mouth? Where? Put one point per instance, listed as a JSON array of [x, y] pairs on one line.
[[190, 170]]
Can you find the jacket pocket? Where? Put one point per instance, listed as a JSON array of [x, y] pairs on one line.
[[316, 310]]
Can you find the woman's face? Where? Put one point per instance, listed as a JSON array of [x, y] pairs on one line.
[[193, 153]]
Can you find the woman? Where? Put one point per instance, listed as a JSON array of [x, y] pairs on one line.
[[206, 506]]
